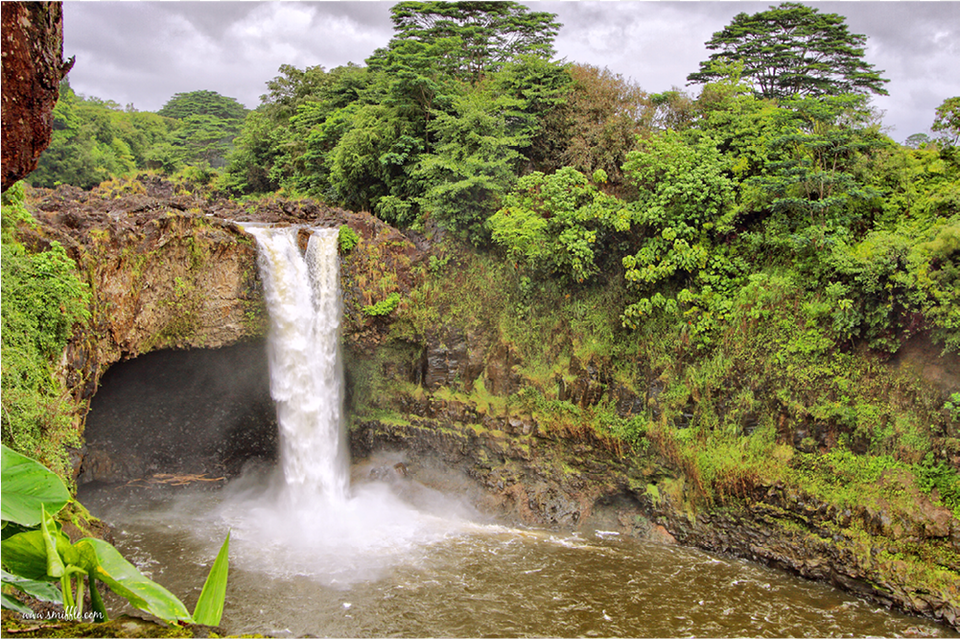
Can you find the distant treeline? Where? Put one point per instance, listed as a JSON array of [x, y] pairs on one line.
[[465, 120]]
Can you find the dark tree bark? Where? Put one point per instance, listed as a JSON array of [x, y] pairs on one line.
[[33, 67]]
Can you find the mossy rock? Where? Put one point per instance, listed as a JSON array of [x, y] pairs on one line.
[[123, 626]]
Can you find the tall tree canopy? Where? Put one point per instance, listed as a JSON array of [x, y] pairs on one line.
[[183, 105], [491, 33], [209, 124], [95, 139], [947, 122], [791, 50]]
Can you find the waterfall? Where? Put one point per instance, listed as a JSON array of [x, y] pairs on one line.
[[305, 518], [302, 293]]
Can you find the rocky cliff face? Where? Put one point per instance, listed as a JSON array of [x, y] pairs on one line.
[[171, 269], [162, 275]]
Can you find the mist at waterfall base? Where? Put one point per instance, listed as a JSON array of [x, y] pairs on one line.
[[305, 516], [323, 547]]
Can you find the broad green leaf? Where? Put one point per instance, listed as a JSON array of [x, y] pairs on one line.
[[42, 590], [209, 608], [9, 603], [84, 556], [28, 485], [25, 555], [123, 578]]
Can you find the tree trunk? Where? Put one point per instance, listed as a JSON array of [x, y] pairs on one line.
[[33, 67]]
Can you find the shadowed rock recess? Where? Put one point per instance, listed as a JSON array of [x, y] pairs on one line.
[[170, 376]]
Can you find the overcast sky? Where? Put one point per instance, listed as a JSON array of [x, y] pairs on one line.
[[145, 52]]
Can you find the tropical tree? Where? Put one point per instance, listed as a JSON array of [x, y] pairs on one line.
[[558, 223], [490, 33], [292, 88], [815, 183], [917, 140], [947, 122], [474, 163], [209, 124], [541, 88], [370, 161], [685, 201], [792, 50], [602, 117], [183, 105]]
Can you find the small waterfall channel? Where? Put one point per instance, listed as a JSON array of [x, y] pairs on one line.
[[323, 548]]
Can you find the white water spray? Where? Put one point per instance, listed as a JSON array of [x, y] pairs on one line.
[[312, 522], [303, 299]]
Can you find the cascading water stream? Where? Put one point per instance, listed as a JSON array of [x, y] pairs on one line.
[[307, 518], [302, 293]]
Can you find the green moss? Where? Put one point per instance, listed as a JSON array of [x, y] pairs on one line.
[[121, 627], [383, 307], [347, 239], [386, 417], [653, 493], [43, 301]]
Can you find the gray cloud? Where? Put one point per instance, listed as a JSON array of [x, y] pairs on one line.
[[145, 52]]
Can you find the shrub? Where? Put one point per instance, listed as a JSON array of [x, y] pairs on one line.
[[42, 301], [347, 239], [383, 307]]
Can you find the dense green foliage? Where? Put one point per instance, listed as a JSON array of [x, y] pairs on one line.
[[42, 300], [95, 140], [37, 554], [791, 50]]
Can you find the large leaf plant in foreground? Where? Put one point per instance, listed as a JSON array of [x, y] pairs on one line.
[[37, 554]]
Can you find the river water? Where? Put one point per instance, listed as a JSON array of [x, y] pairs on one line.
[[323, 548], [417, 563]]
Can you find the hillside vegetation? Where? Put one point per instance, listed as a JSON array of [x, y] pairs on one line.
[[736, 272]]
